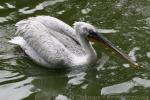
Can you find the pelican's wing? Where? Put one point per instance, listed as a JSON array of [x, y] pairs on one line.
[[54, 24], [56, 28], [28, 50], [39, 41], [59, 26]]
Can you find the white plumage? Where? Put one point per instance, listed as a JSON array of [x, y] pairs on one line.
[[54, 44]]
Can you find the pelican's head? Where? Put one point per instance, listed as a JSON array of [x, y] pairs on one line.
[[83, 28], [90, 32]]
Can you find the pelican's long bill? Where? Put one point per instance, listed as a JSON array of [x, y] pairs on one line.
[[102, 39]]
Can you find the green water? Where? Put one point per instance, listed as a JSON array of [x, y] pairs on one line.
[[21, 79]]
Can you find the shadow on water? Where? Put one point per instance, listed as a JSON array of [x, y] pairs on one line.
[[49, 83]]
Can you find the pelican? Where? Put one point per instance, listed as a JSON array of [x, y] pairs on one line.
[[52, 43]]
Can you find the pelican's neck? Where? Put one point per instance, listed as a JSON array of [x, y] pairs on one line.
[[89, 50]]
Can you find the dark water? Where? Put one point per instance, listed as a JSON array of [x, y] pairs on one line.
[[21, 79]]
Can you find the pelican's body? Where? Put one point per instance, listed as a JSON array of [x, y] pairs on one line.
[[52, 43]]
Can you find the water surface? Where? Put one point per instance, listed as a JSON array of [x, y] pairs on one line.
[[21, 79]]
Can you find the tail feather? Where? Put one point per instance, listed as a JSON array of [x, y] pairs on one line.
[[18, 40]]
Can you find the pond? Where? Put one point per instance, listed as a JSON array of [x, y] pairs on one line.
[[113, 77]]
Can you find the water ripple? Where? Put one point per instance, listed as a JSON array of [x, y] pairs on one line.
[[3, 19], [77, 79], [10, 5], [41, 6], [61, 97], [118, 88], [17, 90], [125, 87]]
